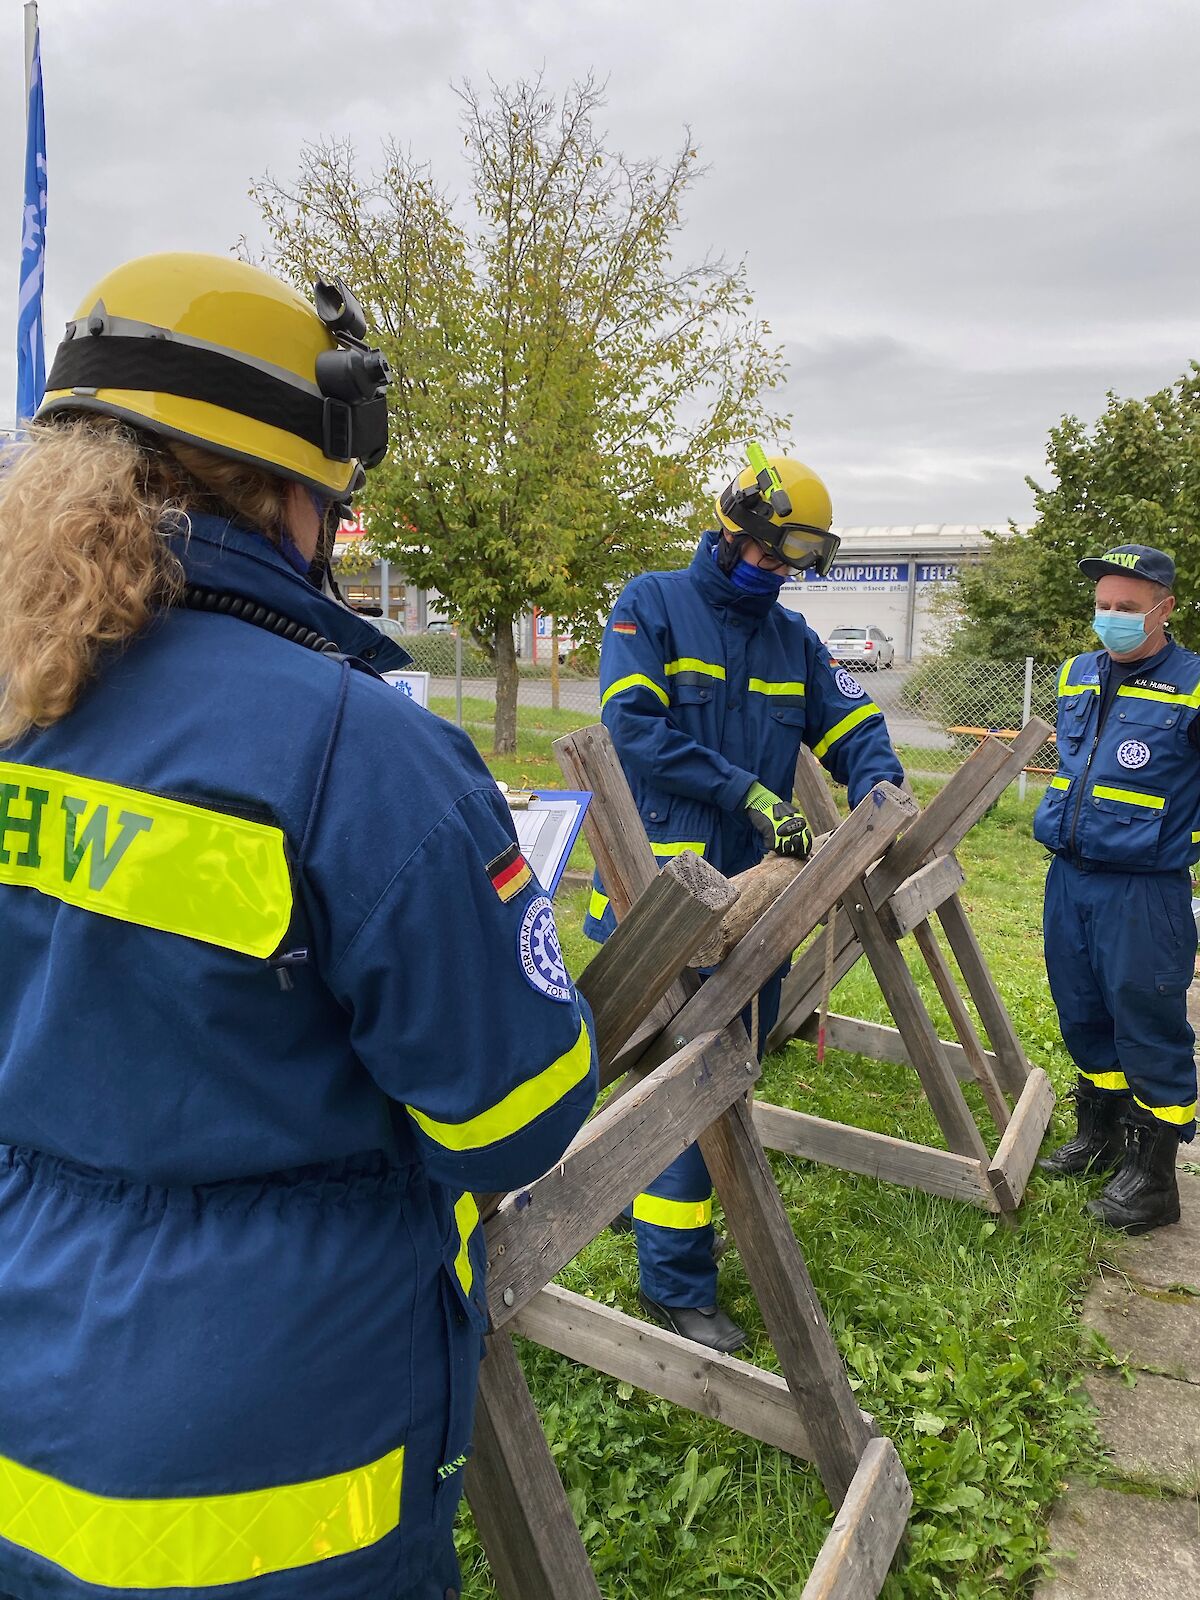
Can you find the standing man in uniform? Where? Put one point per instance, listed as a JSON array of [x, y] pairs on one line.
[[709, 687], [1121, 818]]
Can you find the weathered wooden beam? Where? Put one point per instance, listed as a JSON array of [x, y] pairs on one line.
[[959, 804], [791, 917], [874, 1155], [791, 1310], [960, 1021], [624, 1147], [678, 911], [612, 825], [1012, 1064], [867, 1530], [745, 1398], [915, 899], [802, 988], [880, 1043], [517, 1498], [898, 986], [1016, 1153]]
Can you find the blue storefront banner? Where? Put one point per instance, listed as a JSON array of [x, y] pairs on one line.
[[862, 572], [936, 571]]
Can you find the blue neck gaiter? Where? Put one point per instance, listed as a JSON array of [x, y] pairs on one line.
[[754, 580]]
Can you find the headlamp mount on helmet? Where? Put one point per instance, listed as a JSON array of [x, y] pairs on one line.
[[353, 379]]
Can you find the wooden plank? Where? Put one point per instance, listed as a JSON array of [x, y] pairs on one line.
[[960, 1021], [613, 828], [867, 1530], [880, 1043], [678, 912], [1012, 1064], [874, 1155], [960, 803], [516, 1495], [795, 1321], [623, 1148], [920, 895], [904, 1001], [744, 1397], [1013, 1162], [792, 917]]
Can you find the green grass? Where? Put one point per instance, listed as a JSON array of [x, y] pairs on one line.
[[961, 1335]]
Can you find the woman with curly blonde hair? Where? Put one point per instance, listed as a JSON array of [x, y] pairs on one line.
[[245, 1095]]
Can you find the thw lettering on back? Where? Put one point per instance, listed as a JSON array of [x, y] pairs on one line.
[[29, 826], [102, 858]]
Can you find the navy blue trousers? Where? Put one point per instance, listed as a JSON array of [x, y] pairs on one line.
[[675, 1262], [1120, 954]]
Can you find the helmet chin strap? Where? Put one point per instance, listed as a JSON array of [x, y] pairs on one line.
[[729, 551]]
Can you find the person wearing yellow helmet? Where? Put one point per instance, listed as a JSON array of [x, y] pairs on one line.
[[709, 688], [245, 1093]]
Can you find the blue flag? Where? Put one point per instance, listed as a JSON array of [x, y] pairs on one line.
[[31, 355]]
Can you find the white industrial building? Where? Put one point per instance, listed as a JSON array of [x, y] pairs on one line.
[[884, 577]]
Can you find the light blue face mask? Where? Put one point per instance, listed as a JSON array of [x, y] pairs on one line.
[[1122, 631]]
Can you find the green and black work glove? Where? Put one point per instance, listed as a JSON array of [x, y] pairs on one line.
[[783, 827]]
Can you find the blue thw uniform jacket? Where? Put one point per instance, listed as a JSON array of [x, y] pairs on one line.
[[1126, 795], [707, 690], [278, 993]]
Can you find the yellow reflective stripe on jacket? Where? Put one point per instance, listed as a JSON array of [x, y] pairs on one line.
[[145, 859], [597, 905], [1106, 1080], [690, 664], [1065, 688], [1175, 1115], [1192, 699], [519, 1107], [1059, 782], [672, 1213], [1196, 838], [765, 686], [635, 680], [845, 726], [466, 1218], [198, 1542], [1131, 797]]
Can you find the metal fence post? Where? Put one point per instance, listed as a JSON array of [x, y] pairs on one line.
[[458, 677], [1026, 713]]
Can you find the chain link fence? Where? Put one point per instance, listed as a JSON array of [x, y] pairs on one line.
[[937, 710]]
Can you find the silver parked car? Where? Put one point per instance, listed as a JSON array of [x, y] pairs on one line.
[[862, 647]]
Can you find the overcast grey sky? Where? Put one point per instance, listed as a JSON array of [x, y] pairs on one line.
[[963, 218]]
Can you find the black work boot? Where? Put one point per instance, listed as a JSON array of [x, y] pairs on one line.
[[1144, 1194], [706, 1325], [1099, 1143]]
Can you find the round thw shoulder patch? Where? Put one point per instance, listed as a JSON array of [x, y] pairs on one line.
[[1134, 753], [540, 952], [848, 684]]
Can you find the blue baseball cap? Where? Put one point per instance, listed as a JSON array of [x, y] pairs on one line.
[[1133, 561]]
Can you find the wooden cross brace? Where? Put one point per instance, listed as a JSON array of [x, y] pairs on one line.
[[693, 1087]]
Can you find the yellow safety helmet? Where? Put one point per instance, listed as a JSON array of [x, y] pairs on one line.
[[223, 355], [783, 505]]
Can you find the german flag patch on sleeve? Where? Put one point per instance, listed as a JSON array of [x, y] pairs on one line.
[[509, 872], [625, 627]]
